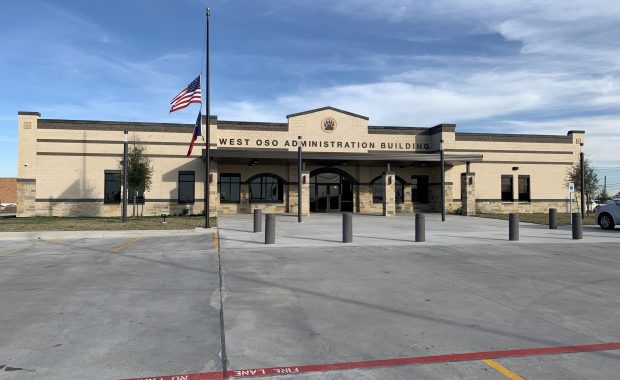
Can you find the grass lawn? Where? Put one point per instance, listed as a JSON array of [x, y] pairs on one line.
[[50, 223], [541, 218]]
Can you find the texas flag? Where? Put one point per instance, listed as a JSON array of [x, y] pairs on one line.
[[196, 133]]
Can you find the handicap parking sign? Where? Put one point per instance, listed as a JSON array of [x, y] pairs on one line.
[[571, 187]]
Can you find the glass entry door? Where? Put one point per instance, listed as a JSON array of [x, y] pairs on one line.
[[328, 198]]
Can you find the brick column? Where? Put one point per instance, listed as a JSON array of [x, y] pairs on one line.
[[27, 162], [305, 195], [244, 198], [468, 193], [389, 194], [292, 193]]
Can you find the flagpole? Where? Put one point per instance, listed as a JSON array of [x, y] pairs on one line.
[[208, 130]]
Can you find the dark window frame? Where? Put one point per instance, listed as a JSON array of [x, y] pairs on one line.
[[377, 181], [524, 197], [192, 199], [403, 184], [117, 198], [419, 183], [228, 182], [374, 183], [261, 182], [505, 195]]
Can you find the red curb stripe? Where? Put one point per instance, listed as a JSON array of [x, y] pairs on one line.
[[274, 371]]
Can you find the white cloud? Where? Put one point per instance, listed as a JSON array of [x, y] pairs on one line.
[[248, 111], [568, 65]]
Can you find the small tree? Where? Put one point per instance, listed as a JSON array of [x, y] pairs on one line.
[[139, 171], [590, 179], [603, 196]]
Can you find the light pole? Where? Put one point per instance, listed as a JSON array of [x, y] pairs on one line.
[[125, 165], [443, 182], [299, 177], [583, 182]]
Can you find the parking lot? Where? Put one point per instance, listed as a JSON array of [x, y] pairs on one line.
[[466, 304]]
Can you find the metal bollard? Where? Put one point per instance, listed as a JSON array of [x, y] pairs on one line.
[[347, 227], [577, 224], [258, 220], [553, 218], [270, 229], [513, 226], [420, 227]]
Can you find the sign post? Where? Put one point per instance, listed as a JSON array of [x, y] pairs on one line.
[[571, 190]]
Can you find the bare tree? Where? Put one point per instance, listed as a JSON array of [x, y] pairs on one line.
[[590, 179], [139, 172]]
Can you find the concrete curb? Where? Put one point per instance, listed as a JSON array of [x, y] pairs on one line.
[[4, 236]]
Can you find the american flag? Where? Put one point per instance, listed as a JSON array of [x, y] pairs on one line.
[[190, 94]]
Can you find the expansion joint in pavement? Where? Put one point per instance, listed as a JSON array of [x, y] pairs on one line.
[[218, 250]]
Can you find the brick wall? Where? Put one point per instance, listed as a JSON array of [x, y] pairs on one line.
[[8, 190]]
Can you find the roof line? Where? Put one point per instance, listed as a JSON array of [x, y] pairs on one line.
[[327, 108]]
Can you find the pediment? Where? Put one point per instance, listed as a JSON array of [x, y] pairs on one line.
[[328, 108]]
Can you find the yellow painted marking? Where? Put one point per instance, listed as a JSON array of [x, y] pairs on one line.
[[216, 241], [125, 245], [503, 370]]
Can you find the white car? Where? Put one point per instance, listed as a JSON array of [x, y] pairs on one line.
[[608, 215]]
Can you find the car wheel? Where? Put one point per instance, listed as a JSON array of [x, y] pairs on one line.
[[606, 222]]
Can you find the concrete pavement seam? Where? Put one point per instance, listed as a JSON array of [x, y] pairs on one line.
[[222, 330]]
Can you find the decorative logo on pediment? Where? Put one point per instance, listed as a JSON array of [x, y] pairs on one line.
[[328, 124]]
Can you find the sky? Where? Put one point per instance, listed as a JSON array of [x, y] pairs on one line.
[[500, 66]]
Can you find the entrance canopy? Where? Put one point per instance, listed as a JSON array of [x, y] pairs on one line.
[[271, 154]]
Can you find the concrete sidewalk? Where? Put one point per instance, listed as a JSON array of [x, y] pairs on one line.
[[45, 235], [326, 230]]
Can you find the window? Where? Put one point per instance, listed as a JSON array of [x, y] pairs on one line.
[[507, 188], [524, 188], [377, 190], [112, 187], [230, 187], [266, 188], [186, 187], [139, 196], [419, 188], [400, 190]]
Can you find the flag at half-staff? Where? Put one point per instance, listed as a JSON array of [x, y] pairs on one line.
[[197, 133], [190, 94]]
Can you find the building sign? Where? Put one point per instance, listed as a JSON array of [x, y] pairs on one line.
[[322, 144], [326, 131]]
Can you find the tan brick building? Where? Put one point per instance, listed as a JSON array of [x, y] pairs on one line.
[[8, 191], [69, 167]]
